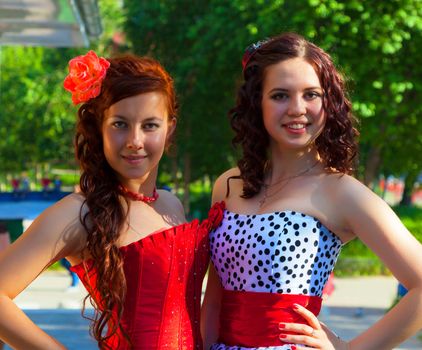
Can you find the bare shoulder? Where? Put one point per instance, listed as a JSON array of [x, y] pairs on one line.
[[73, 200], [223, 186], [347, 189], [171, 202], [357, 206], [169, 197], [66, 210], [60, 224], [345, 200], [227, 174]]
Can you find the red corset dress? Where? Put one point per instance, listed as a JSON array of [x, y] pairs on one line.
[[164, 273]]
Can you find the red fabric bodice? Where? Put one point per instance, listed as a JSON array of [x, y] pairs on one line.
[[164, 273]]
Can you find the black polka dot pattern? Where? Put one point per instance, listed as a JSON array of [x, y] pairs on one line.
[[282, 252]]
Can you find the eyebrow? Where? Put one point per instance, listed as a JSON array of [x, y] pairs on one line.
[[149, 119], [286, 90]]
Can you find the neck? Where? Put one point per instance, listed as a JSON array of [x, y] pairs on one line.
[[144, 185], [286, 164]]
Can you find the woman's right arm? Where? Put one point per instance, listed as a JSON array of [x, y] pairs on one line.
[[210, 311], [55, 234]]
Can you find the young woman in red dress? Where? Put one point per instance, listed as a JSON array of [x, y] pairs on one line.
[[141, 262], [291, 206]]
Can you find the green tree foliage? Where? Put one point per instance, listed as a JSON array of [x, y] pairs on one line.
[[35, 123], [375, 43], [37, 118]]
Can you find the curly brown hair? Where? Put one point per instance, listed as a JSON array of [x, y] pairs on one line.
[[127, 76], [336, 145]]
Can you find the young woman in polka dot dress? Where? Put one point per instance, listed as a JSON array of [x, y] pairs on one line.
[[290, 207]]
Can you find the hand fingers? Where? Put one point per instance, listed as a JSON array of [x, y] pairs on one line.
[[301, 339], [297, 328], [307, 315]]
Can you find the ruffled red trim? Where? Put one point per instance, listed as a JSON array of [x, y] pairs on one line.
[[215, 215]]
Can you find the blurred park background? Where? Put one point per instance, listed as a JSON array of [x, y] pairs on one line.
[[376, 44]]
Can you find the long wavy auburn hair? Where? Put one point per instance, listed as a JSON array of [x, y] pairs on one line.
[[105, 216], [336, 144]]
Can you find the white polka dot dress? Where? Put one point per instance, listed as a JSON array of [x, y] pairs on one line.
[[283, 252]]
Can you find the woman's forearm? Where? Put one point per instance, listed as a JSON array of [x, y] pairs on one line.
[[18, 331], [400, 323]]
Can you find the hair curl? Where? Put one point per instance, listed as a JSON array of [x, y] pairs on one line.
[[336, 144], [127, 76]]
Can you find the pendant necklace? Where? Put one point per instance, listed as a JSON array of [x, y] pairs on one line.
[[286, 180], [134, 230]]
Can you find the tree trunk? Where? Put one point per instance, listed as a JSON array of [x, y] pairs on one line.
[[409, 183], [174, 175], [174, 167], [372, 165], [186, 181]]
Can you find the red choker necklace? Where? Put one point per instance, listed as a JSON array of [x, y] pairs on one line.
[[139, 196]]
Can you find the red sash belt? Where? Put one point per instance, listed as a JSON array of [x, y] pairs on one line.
[[251, 319]]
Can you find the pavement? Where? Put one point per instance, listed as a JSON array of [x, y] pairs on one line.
[[355, 304]]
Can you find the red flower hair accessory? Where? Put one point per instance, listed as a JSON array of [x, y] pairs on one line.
[[86, 73]]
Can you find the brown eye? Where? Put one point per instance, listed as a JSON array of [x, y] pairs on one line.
[[312, 95], [150, 126], [119, 125], [279, 96]]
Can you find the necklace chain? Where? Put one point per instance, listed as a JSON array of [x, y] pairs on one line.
[[285, 181], [133, 229]]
